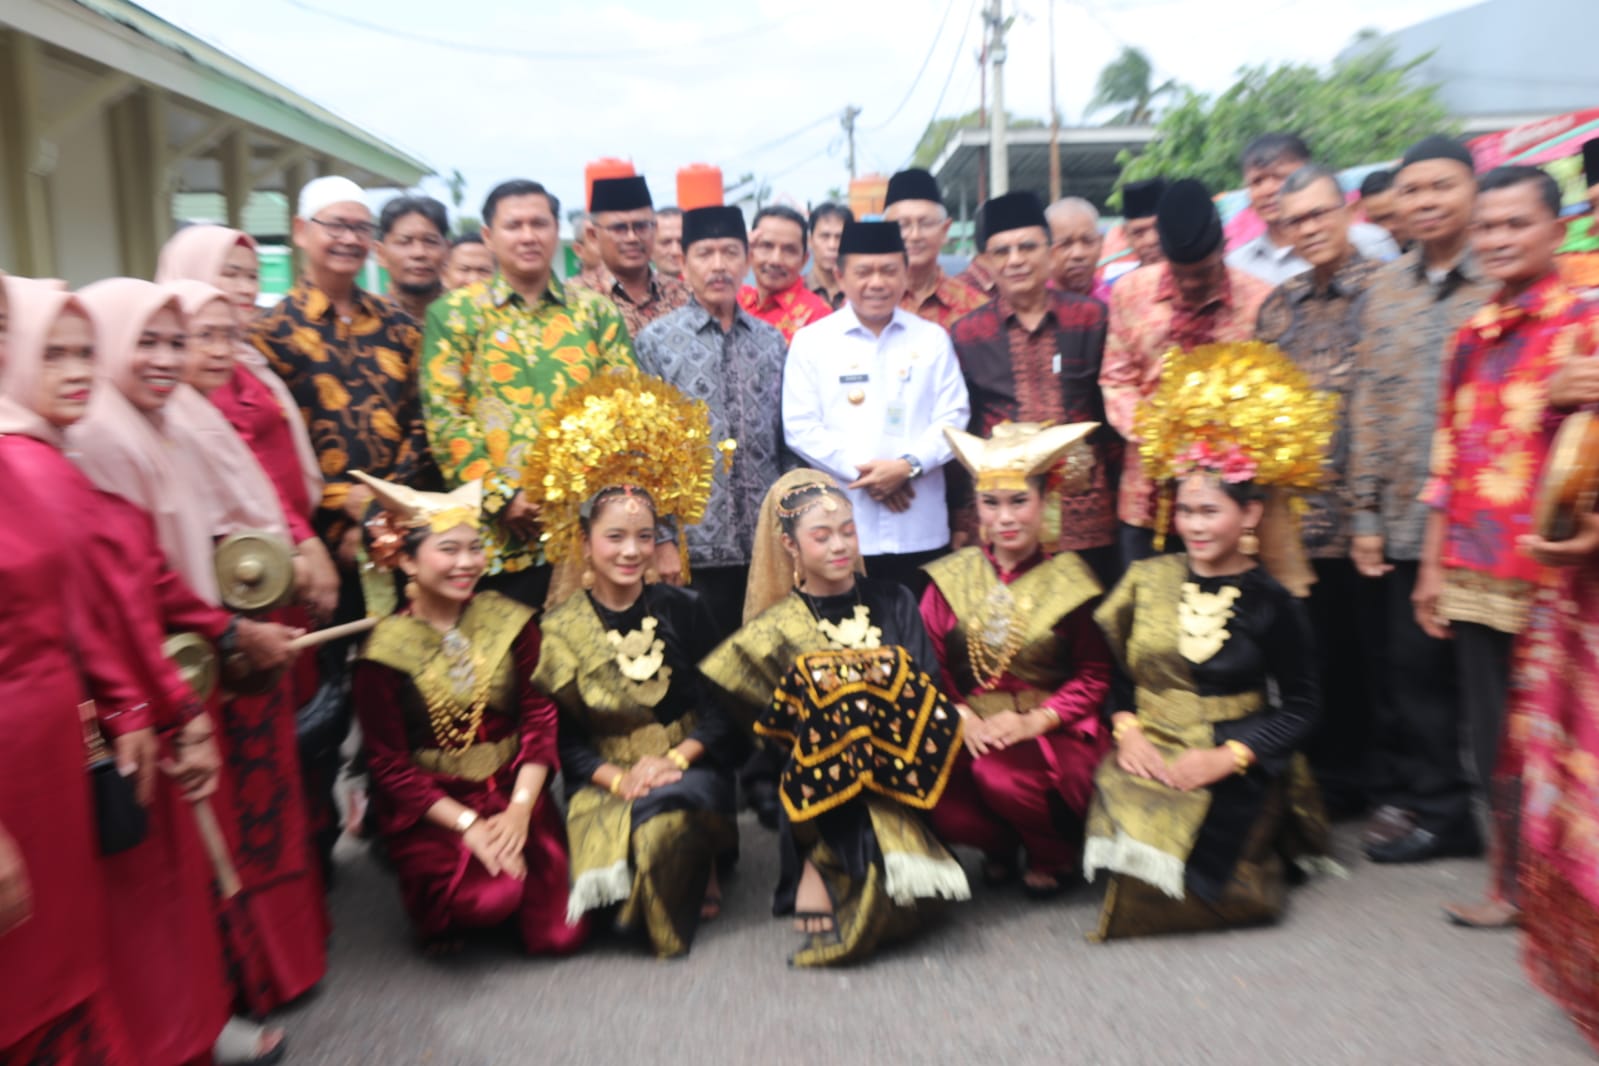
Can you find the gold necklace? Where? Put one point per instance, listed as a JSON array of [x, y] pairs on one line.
[[641, 656], [995, 634], [855, 632], [455, 710], [1202, 619]]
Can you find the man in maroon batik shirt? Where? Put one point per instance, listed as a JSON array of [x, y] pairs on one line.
[[1032, 354]]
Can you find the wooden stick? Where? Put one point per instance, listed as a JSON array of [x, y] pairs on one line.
[[322, 636], [216, 848]]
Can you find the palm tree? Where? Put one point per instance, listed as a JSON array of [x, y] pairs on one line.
[[1125, 83]]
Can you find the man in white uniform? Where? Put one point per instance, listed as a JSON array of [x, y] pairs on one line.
[[867, 394]]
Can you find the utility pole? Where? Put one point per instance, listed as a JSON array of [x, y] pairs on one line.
[[982, 116], [1054, 115], [851, 113], [999, 154]]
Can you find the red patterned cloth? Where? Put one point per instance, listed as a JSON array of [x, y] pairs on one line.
[[1551, 751], [1492, 432], [948, 301], [790, 310]]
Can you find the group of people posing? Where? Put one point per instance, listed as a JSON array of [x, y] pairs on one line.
[[1135, 578]]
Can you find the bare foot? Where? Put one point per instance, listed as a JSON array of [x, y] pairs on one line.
[[242, 1042], [711, 907], [813, 907]]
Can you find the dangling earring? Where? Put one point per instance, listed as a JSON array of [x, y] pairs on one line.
[[1249, 543], [410, 589], [799, 576], [588, 578]]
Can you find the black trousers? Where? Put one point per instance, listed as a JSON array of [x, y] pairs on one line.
[[905, 569], [529, 586], [1483, 661], [1346, 616], [722, 588], [1418, 764]]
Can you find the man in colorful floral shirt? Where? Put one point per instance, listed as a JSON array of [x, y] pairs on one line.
[[495, 356], [1493, 433], [777, 256]]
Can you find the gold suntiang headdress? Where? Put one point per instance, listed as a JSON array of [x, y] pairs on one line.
[[1242, 412], [621, 430], [1015, 452], [406, 509]]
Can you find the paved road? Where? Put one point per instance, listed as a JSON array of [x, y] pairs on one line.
[[1363, 971]]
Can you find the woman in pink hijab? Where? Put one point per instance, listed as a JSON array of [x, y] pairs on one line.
[[253, 399], [132, 444], [287, 952], [159, 950]]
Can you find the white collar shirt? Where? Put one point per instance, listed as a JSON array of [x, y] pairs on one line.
[[850, 396]]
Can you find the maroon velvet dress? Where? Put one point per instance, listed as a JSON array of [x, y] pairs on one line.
[[54, 999], [1033, 794], [444, 887]]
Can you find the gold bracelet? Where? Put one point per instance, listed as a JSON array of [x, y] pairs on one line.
[[615, 787], [523, 796], [465, 820], [1243, 758], [677, 758], [1122, 727]]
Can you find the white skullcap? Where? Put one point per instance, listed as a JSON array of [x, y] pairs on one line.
[[324, 192]]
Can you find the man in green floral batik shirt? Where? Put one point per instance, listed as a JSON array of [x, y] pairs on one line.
[[499, 353]]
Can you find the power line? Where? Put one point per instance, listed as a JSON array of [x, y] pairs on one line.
[[778, 142], [960, 46], [656, 51], [926, 61]]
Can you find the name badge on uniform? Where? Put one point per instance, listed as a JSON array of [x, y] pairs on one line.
[[894, 418], [854, 379], [1054, 363]]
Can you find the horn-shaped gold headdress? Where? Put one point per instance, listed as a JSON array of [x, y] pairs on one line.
[[1015, 452]]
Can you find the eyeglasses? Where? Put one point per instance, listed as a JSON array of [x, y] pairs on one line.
[[911, 227], [339, 227], [1300, 221], [620, 230]]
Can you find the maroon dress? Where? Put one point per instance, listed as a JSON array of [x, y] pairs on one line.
[[1035, 794], [54, 998], [444, 887], [167, 974]]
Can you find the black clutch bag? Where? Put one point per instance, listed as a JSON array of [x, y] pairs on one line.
[[119, 820]]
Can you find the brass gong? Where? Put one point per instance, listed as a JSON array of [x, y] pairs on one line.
[[255, 570], [1570, 483], [196, 661]]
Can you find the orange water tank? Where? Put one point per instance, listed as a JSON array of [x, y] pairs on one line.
[[604, 168], [699, 185], [866, 195]]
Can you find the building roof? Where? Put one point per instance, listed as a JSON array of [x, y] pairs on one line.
[[125, 37], [1521, 58], [1087, 162]]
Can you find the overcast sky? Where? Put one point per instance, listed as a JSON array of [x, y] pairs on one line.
[[500, 88]]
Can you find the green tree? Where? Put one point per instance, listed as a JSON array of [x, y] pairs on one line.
[[456, 183], [941, 131], [1126, 84], [1365, 108]]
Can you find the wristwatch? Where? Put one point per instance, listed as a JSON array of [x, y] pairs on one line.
[[465, 820], [915, 465]]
